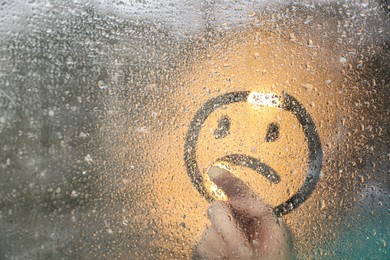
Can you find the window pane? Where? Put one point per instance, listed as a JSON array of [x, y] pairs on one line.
[[112, 113]]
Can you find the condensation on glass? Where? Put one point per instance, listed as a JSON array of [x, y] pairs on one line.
[[111, 112]]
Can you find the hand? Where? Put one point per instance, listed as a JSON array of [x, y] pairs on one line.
[[242, 228]]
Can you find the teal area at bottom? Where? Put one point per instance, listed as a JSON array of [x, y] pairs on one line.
[[367, 237]]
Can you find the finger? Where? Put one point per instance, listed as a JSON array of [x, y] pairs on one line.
[[240, 196], [211, 245], [236, 242], [232, 186], [266, 234]]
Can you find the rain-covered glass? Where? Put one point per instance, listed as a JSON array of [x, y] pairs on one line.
[[112, 114]]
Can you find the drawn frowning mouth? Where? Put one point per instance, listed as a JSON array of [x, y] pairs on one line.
[[252, 163]]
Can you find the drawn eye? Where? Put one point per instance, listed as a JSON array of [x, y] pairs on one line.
[[272, 133], [223, 127]]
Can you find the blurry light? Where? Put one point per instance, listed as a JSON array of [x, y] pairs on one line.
[[259, 99]]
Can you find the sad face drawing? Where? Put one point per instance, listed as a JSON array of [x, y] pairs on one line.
[[266, 139]]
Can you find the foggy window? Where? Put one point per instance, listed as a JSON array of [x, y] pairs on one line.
[[113, 112]]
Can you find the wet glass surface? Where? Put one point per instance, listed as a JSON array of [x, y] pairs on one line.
[[105, 143]]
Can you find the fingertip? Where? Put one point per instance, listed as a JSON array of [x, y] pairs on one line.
[[226, 181], [215, 172]]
